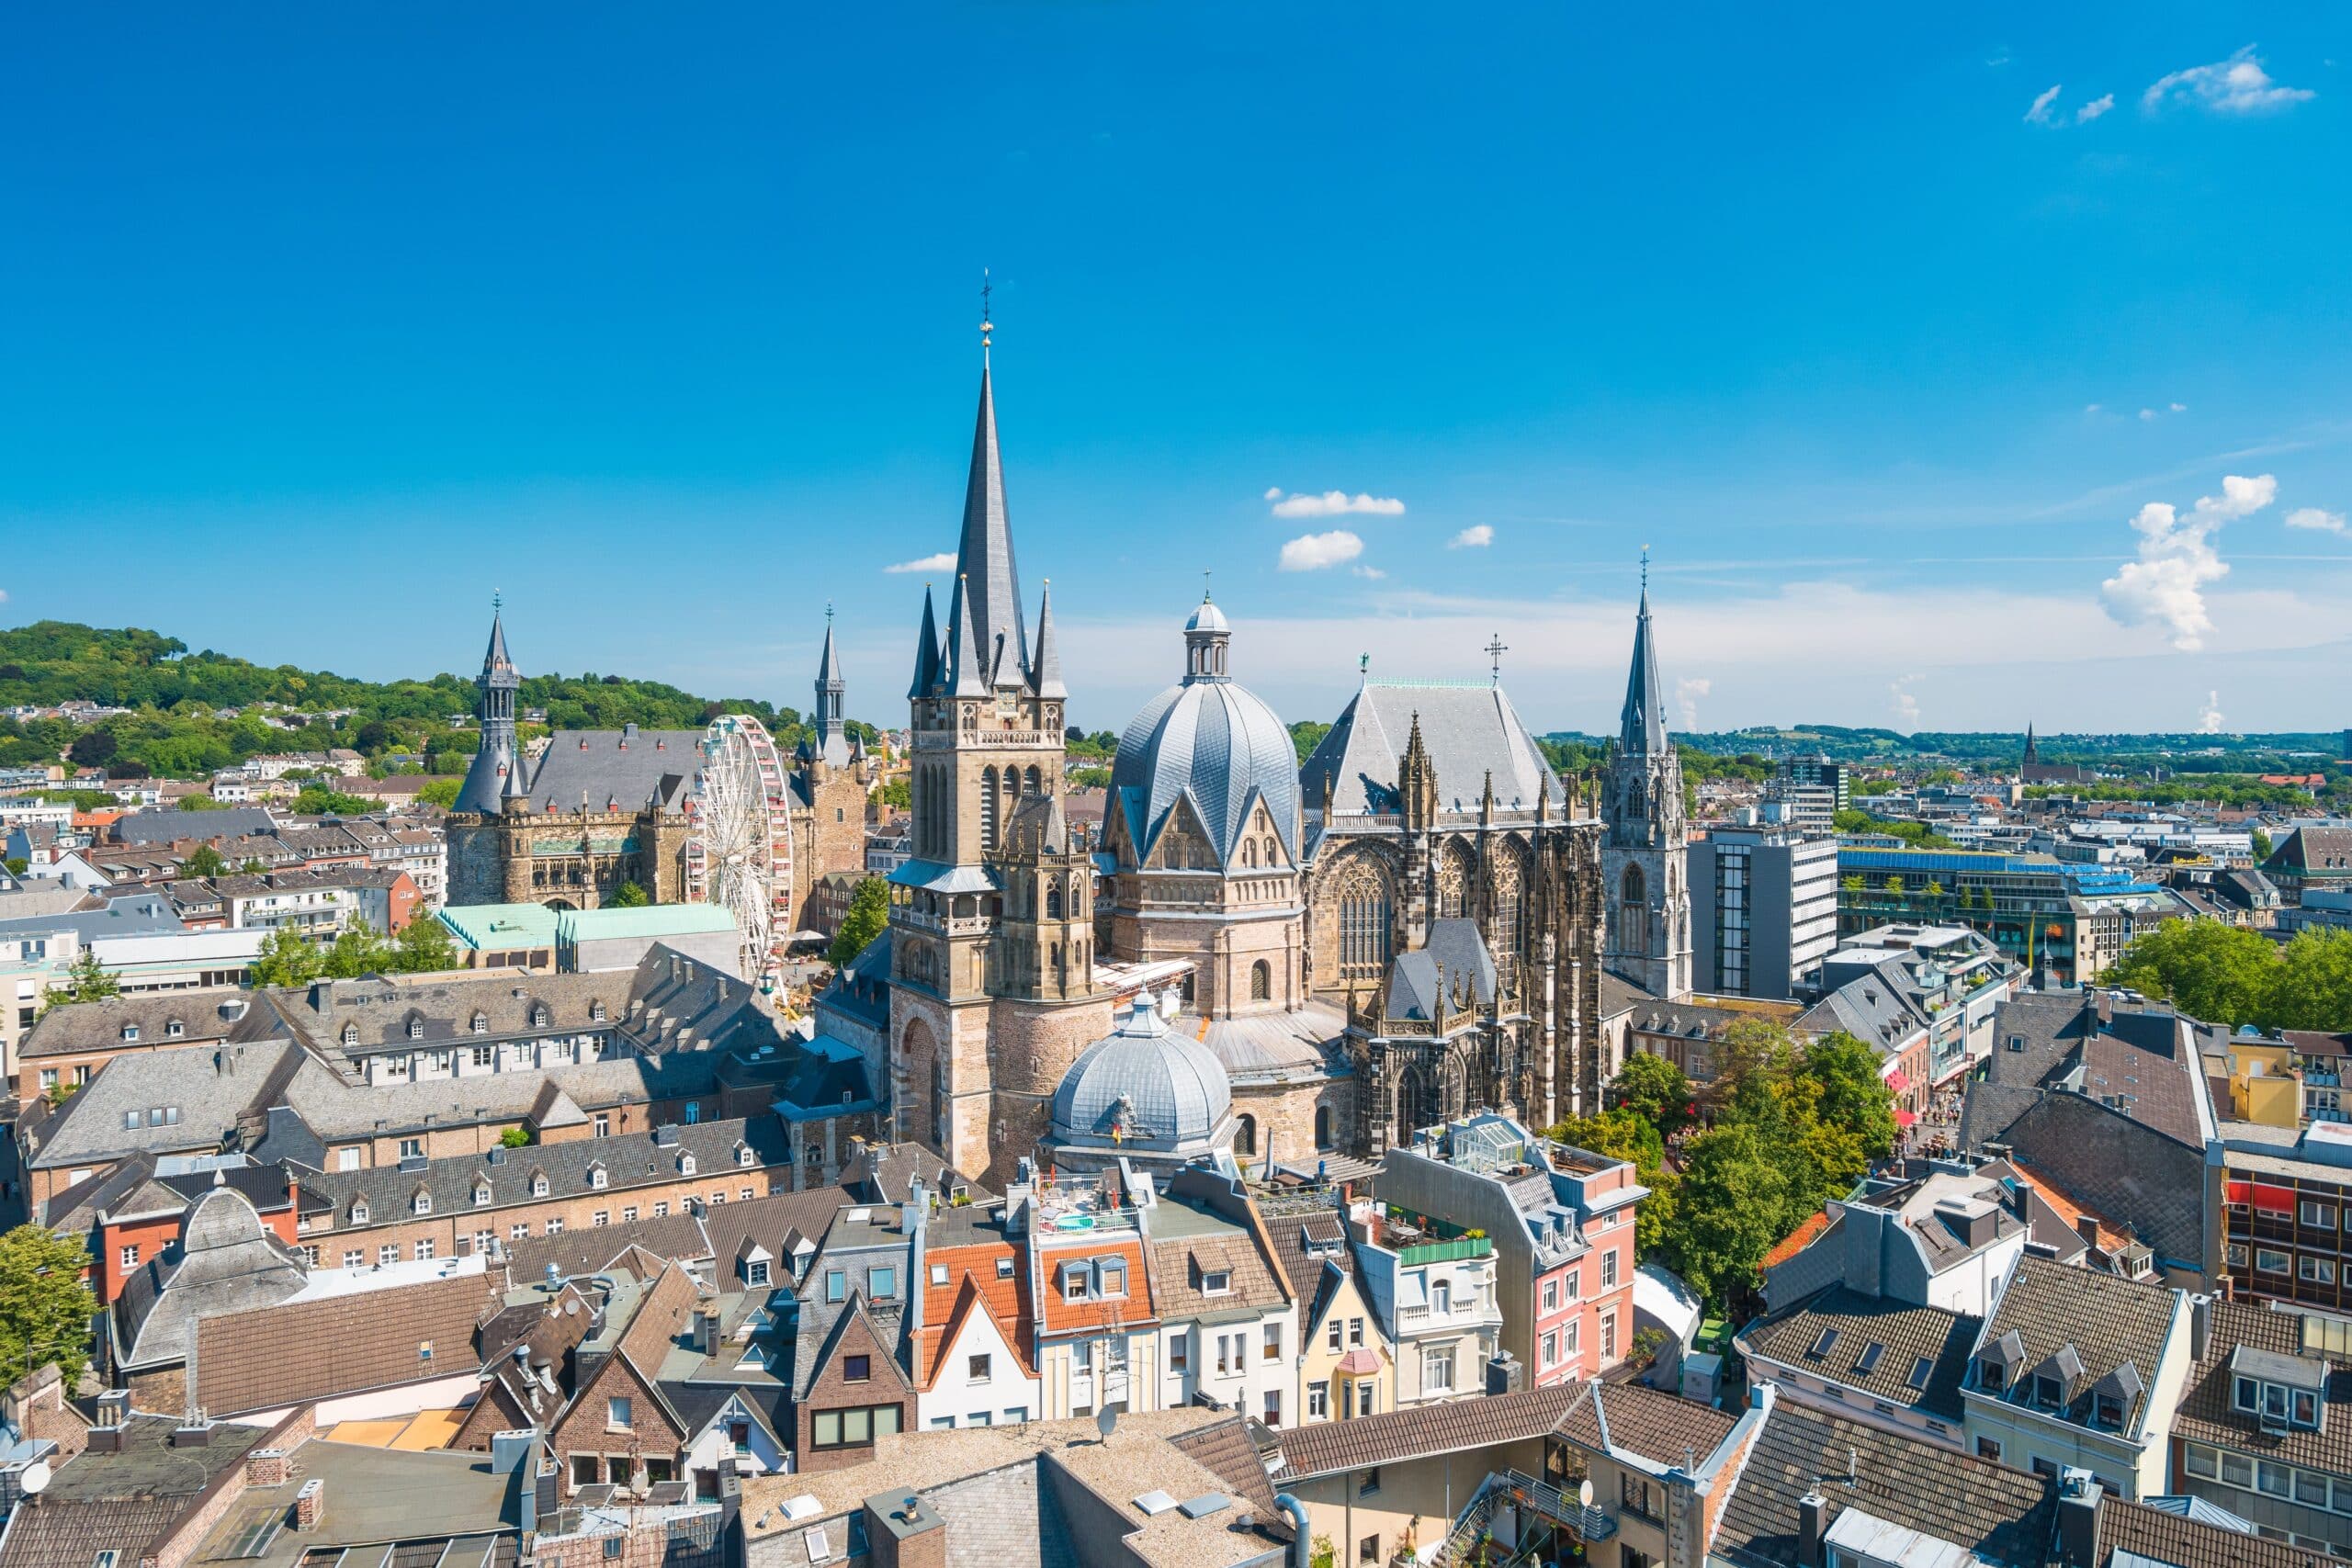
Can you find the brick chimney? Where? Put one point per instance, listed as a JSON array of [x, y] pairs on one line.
[[267, 1467], [311, 1504]]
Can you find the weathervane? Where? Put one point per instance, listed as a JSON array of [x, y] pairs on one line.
[[1495, 651], [987, 326], [1645, 569], [1204, 587]]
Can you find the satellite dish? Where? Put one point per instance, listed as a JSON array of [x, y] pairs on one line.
[[1107, 1421], [1584, 1492], [34, 1477]]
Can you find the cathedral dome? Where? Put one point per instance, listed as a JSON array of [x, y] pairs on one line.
[[1152, 1086], [1212, 738]]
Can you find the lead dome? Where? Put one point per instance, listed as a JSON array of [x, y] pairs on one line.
[[1145, 1089], [1213, 740]]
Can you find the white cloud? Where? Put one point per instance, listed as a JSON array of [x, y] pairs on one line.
[[2236, 85], [1477, 536], [2209, 718], [1274, 492], [2314, 518], [1333, 503], [944, 561], [2147, 416], [1907, 706], [2039, 114], [1313, 552], [2095, 107], [1687, 693], [2167, 585], [2090, 408], [1373, 572], [2180, 408]]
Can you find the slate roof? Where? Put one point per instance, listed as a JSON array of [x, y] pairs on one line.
[[226, 1261], [630, 1159], [1641, 722], [2136, 1056], [2118, 1168], [1469, 731], [623, 768], [1453, 949], [210, 1086], [1303, 1245], [143, 913], [333, 1107], [2309, 852], [381, 1008], [2108, 1320], [337, 1345], [94, 1026], [1427, 1430], [2006, 1516], [2162, 1536], [166, 827], [1906, 1337], [1215, 742], [2205, 1416]]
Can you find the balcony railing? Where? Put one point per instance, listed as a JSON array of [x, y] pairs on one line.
[[1452, 1251]]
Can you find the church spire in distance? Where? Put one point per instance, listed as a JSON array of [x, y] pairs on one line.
[[1641, 727]]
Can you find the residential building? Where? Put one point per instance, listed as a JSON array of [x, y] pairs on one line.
[[853, 1382], [1561, 1224], [1763, 909], [2265, 1429], [1433, 1291], [2285, 1197], [978, 1322], [1099, 1344], [1228, 1325], [2313, 858], [2080, 1369], [1951, 978], [2066, 922], [2107, 1100]]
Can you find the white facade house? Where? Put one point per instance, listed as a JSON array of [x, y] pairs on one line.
[[740, 1433], [1436, 1301], [979, 1377]]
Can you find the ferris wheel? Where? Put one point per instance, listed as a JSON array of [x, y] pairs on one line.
[[739, 846]]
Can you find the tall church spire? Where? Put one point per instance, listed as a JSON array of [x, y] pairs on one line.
[[984, 556], [495, 775], [832, 732], [1641, 727]]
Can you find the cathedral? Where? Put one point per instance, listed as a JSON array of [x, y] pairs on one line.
[[598, 808], [1293, 964]]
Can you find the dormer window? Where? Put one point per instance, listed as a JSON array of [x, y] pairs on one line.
[[2279, 1390], [1216, 1282], [538, 1016], [130, 1031], [2047, 1391], [687, 1163], [416, 1028], [743, 1156], [174, 1028], [422, 1203], [351, 1034], [482, 1023], [360, 1211], [538, 1184], [596, 1178], [481, 1194], [596, 1011]]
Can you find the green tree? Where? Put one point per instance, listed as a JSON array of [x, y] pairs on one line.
[[627, 896], [1732, 1201], [198, 803], [2221, 974], [203, 860], [896, 795], [286, 959], [86, 981], [2261, 846], [1853, 1096], [1851, 882], [45, 1309], [869, 911], [1654, 1090], [356, 950], [2313, 986], [423, 945], [1622, 1135], [17, 865], [441, 792], [513, 1138], [91, 749], [318, 800]]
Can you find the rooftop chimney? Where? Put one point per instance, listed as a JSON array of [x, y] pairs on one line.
[[2088, 1229], [2079, 1497], [1811, 1507], [267, 1467], [311, 1504], [2200, 1327]]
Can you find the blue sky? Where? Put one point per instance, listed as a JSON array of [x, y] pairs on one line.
[[323, 322]]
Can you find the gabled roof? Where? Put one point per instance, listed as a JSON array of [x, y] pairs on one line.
[[2103, 1321], [972, 1306], [1628, 1418], [1469, 731], [1426, 1431], [1922, 1355]]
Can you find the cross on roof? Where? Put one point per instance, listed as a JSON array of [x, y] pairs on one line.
[[1495, 651]]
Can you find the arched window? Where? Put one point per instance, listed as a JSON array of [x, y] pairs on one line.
[[988, 808], [1454, 873], [1633, 900], [1632, 889], [1250, 853], [1030, 783], [1633, 801], [1322, 1126], [1245, 1135], [1272, 854], [1261, 981], [1053, 901], [1507, 895], [1362, 898]]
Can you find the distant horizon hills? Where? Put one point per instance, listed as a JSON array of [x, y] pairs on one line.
[[1867, 743]]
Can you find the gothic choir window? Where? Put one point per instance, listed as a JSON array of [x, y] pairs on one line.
[[1362, 898], [1510, 890], [988, 808], [1054, 901], [1453, 884], [1030, 783]]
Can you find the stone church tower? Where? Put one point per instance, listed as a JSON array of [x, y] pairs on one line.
[[991, 923], [1643, 859]]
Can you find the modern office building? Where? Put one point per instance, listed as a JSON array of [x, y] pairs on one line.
[[1763, 909], [2066, 922]]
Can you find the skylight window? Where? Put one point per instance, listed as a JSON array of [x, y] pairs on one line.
[[1826, 1342], [1922, 1368], [1867, 1362]]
